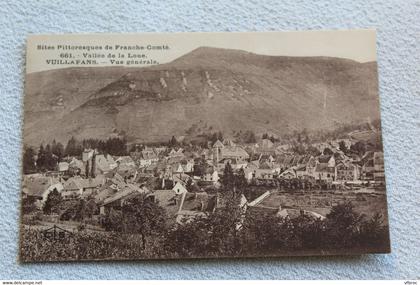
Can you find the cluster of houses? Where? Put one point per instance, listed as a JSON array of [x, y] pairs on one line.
[[178, 178]]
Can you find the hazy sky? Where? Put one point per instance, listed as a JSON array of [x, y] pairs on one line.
[[359, 45]]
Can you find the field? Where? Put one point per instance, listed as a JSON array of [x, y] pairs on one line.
[[86, 245], [322, 201]]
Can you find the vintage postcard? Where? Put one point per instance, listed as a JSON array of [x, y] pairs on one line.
[[202, 145]]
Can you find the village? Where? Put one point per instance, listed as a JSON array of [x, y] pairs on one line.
[[185, 180]]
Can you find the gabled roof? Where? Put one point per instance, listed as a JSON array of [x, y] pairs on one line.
[[218, 144], [324, 158], [181, 177], [75, 183], [120, 195], [265, 165], [233, 151], [201, 202], [105, 192]]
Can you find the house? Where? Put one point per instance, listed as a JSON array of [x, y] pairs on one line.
[[63, 167], [234, 152], [193, 205], [77, 187], [181, 177], [368, 166], [117, 200], [76, 167], [188, 165], [210, 175], [125, 161], [250, 170], [179, 188], [158, 150], [347, 171], [38, 188], [177, 168], [288, 174], [228, 142], [217, 151], [104, 163], [266, 158], [168, 200], [267, 170], [327, 160], [151, 169], [229, 151], [218, 144], [266, 144], [324, 173], [87, 154], [234, 163], [311, 166], [176, 152], [301, 171], [127, 172], [105, 191], [145, 157]]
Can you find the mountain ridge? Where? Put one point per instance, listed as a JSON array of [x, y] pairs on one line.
[[227, 89]]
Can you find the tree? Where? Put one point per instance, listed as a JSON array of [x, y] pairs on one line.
[[113, 221], [343, 224], [220, 136], [143, 216], [28, 161], [215, 234], [327, 151], [374, 233], [28, 205], [40, 162], [52, 204], [57, 149], [241, 181], [249, 137], [343, 146], [200, 167], [116, 146], [73, 148], [50, 160], [173, 142], [359, 148], [228, 178]]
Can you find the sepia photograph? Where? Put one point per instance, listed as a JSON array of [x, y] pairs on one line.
[[202, 145]]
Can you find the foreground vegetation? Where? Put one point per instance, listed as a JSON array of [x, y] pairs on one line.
[[224, 233]]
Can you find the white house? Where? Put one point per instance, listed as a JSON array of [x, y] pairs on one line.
[[179, 188]]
